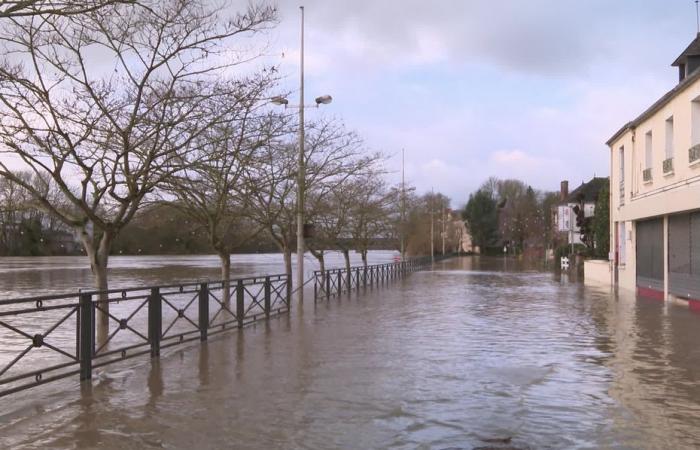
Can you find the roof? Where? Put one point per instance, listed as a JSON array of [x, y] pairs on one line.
[[587, 192], [663, 101], [692, 50]]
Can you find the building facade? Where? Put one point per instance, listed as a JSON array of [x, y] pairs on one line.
[[655, 192], [585, 197]]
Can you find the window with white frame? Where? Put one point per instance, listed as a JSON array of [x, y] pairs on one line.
[[695, 122], [648, 150]]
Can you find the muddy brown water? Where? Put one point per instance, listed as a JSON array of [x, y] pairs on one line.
[[474, 353]]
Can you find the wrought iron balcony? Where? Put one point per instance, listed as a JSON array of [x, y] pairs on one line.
[[668, 165], [694, 153], [646, 175]]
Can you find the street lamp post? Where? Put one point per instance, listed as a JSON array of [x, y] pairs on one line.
[[301, 164], [432, 226]]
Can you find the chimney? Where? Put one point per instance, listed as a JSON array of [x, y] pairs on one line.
[[564, 190]]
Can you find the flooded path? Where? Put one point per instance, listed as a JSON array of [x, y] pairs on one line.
[[464, 356]]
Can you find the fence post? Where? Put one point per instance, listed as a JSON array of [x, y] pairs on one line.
[[87, 336], [155, 321], [240, 306], [203, 311], [340, 283], [327, 278], [267, 297], [364, 277]]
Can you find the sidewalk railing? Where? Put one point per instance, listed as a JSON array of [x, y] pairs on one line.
[[52, 337], [333, 282]]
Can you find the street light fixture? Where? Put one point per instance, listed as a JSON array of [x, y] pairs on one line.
[[323, 100], [301, 165], [279, 100]]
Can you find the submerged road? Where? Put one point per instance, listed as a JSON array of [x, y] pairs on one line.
[[471, 354]]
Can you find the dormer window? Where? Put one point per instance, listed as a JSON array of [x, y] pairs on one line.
[[689, 61]]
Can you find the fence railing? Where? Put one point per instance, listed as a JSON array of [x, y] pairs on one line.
[[332, 282], [52, 337]]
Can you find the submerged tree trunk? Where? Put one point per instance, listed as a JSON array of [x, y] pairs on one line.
[[321, 261], [363, 252], [225, 258], [348, 275], [287, 253], [98, 253]]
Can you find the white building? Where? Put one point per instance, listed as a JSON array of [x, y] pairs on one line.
[[585, 196], [655, 192]]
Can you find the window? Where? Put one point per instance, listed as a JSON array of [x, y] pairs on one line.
[[622, 164], [621, 240], [648, 151], [669, 138], [695, 122], [649, 155], [622, 175]]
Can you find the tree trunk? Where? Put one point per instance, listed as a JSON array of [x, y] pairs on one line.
[[99, 258], [287, 261], [225, 258], [288, 269], [348, 275], [321, 261], [364, 257]]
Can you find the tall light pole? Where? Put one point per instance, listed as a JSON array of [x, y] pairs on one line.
[[301, 163], [403, 206], [432, 226], [301, 175], [444, 228]]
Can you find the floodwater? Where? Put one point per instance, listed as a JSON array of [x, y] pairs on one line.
[[33, 276], [474, 353]]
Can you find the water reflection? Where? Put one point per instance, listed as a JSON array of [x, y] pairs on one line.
[[463, 356]]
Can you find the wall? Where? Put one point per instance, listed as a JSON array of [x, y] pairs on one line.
[[597, 271]]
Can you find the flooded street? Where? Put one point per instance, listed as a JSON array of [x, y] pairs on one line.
[[474, 353]]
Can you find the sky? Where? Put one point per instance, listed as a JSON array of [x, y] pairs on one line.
[[471, 89], [527, 89]]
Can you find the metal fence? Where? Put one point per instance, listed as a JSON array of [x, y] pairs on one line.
[[52, 337], [333, 282]]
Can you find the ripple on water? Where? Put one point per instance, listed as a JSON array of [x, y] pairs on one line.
[[467, 356]]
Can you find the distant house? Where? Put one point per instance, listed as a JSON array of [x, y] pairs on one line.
[[564, 216], [461, 236]]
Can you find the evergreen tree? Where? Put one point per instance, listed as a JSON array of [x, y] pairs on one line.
[[601, 223]]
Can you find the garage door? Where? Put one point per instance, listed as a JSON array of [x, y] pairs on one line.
[[650, 255], [684, 255]]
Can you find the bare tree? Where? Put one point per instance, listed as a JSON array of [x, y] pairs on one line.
[[333, 155], [108, 138], [26, 8], [370, 214], [213, 189]]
